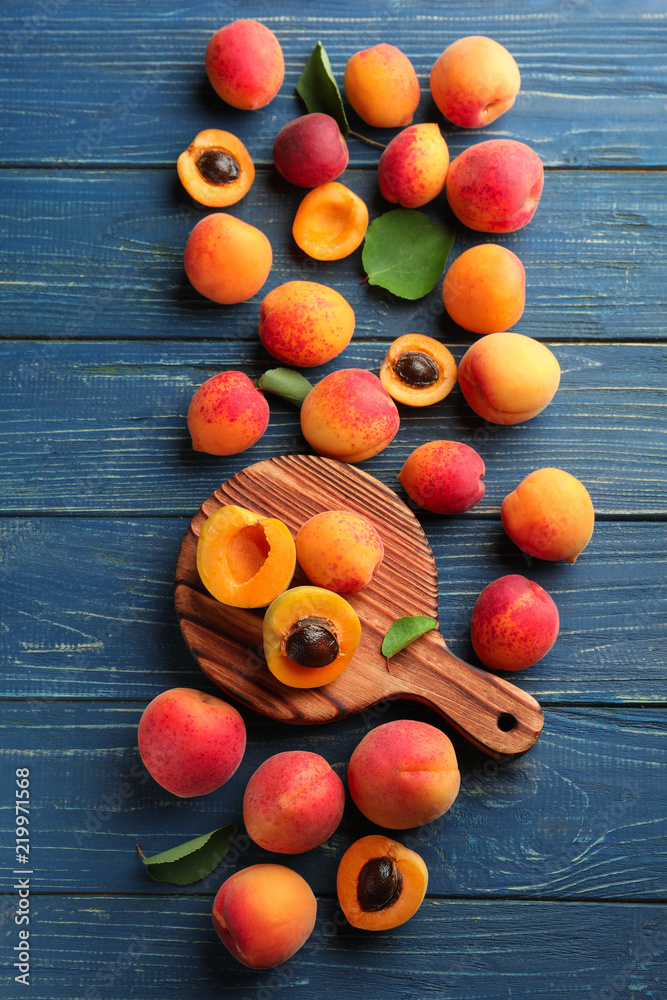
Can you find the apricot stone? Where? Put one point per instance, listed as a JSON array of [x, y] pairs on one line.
[[310, 150], [245, 64], [381, 85], [418, 370], [474, 81], [507, 377], [484, 289], [216, 169], [349, 415], [514, 623], [413, 167], [227, 259], [227, 414], [495, 186], [263, 914], [380, 883], [191, 742], [403, 774], [331, 222], [304, 323], [444, 477], [339, 550], [293, 802], [549, 515]]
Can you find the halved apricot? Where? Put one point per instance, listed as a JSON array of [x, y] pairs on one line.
[[418, 370], [380, 883], [330, 222], [243, 559], [216, 169], [310, 636]]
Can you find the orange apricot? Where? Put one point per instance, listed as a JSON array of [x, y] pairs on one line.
[[474, 81], [227, 414], [418, 370], [304, 323], [339, 550], [381, 85], [549, 515], [245, 64], [227, 259], [330, 222], [380, 883], [216, 169], [484, 289]]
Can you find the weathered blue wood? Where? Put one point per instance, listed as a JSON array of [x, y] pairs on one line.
[[88, 608], [99, 254]]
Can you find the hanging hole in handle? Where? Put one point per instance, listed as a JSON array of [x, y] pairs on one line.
[[507, 722]]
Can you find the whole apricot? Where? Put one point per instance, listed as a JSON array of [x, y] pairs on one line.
[[495, 186], [443, 476], [418, 370], [514, 623], [413, 167], [380, 883], [310, 150], [263, 914], [474, 81], [507, 377], [304, 323], [381, 85], [245, 64], [549, 515], [227, 259], [216, 169], [484, 289], [349, 415], [331, 222], [403, 774], [227, 414], [339, 550], [293, 802]]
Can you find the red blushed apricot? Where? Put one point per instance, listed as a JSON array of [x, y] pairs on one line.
[[549, 515], [216, 168], [418, 370], [495, 186], [381, 85], [245, 64], [227, 259], [474, 81], [331, 222], [227, 414], [349, 415], [444, 477], [310, 150], [303, 323], [413, 167], [339, 550], [380, 883], [514, 623], [484, 289]]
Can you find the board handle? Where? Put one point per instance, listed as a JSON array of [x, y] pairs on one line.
[[492, 713]]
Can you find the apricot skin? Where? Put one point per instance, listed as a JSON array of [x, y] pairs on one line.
[[484, 289], [507, 377], [349, 415], [549, 515], [339, 550], [310, 150], [330, 222], [190, 742], [413, 167], [403, 774], [514, 623], [414, 881], [226, 259], [245, 64], [444, 477], [381, 85], [474, 81], [304, 323], [293, 802], [227, 414], [263, 914], [495, 186]]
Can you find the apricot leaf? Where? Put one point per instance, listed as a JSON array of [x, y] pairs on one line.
[[193, 860], [405, 252], [318, 89], [286, 383], [404, 631]]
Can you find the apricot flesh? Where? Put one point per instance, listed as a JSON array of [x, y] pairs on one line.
[[226, 259], [380, 883], [381, 85], [444, 477], [549, 515], [514, 623], [304, 323], [245, 64], [310, 150], [227, 414], [339, 550], [331, 222], [413, 167], [484, 289], [495, 186], [418, 370], [474, 81], [216, 169]]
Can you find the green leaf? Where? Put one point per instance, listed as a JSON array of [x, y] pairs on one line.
[[318, 89], [193, 860], [405, 252], [404, 631], [286, 383]]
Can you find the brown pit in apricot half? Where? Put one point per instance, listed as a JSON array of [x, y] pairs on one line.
[[216, 169], [380, 883], [311, 642], [418, 370]]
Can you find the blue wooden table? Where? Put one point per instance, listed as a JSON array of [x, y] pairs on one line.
[[547, 876]]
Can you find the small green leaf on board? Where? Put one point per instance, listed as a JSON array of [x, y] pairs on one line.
[[318, 89], [404, 631], [286, 383], [193, 860], [405, 252]]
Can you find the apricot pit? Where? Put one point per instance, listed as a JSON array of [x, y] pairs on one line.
[[380, 883]]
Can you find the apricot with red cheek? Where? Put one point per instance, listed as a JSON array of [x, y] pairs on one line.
[[226, 259], [381, 85], [339, 550], [227, 414], [413, 167], [310, 150], [444, 477], [495, 186], [549, 515], [245, 64], [474, 81], [304, 323], [514, 623], [484, 289]]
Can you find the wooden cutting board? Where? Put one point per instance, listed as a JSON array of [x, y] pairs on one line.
[[227, 642]]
